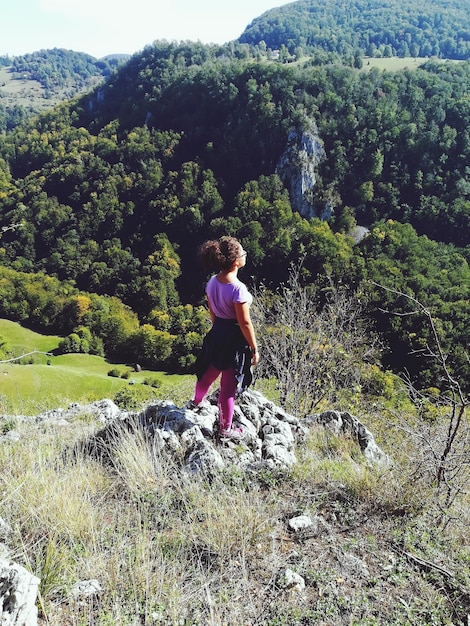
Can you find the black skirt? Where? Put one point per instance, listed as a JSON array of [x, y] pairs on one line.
[[224, 347]]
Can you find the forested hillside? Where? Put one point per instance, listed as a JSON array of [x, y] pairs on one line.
[[62, 68], [115, 191], [439, 28], [32, 82]]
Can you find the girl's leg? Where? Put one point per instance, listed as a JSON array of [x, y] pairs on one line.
[[202, 385], [228, 388]]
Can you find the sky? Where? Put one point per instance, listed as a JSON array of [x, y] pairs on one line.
[[101, 27]]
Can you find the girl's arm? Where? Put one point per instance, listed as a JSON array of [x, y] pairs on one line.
[[242, 310], [212, 314]]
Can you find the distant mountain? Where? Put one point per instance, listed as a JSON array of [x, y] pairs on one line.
[[58, 68], [439, 28], [37, 81]]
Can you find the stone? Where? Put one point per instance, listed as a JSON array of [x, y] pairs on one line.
[[10, 437], [352, 566], [342, 422], [86, 589], [202, 456], [274, 450], [18, 594], [290, 580], [300, 522]]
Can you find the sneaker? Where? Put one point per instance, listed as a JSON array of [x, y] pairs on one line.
[[191, 405], [234, 434]]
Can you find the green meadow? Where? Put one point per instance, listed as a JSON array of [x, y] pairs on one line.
[[41, 381], [395, 64], [392, 64]]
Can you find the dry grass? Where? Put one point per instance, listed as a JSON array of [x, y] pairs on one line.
[[173, 549]]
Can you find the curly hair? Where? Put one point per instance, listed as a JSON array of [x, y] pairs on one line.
[[219, 254]]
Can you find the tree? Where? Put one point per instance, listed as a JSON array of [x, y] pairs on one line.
[[149, 346], [160, 271], [112, 321], [358, 59], [436, 275], [81, 341]]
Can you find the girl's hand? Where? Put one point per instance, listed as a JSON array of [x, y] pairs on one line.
[[255, 358]]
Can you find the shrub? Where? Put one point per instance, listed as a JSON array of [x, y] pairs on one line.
[[133, 398], [7, 426], [313, 344], [152, 382]]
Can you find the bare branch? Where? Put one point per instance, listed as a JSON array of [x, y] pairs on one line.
[[313, 344], [444, 437], [4, 229]]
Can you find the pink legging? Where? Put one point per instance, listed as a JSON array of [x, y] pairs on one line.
[[228, 388]]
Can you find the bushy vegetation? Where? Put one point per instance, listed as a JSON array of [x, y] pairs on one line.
[[314, 343], [102, 325]]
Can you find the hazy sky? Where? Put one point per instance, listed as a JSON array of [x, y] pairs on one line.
[[101, 27]]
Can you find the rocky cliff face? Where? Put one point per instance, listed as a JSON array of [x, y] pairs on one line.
[[297, 168]]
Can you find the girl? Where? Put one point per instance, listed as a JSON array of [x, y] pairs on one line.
[[230, 347]]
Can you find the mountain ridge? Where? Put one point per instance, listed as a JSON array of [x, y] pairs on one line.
[[369, 27]]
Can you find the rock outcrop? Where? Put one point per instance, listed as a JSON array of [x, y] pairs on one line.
[[343, 423], [272, 434], [190, 436], [297, 169]]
